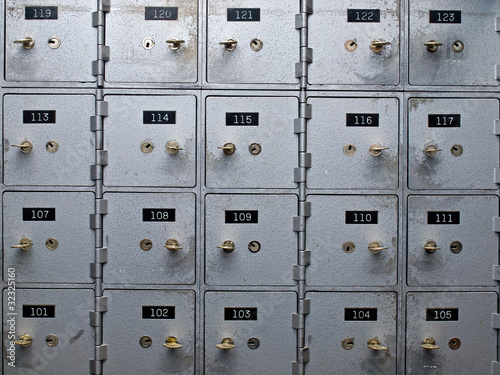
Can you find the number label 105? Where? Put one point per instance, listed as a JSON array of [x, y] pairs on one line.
[[450, 314]]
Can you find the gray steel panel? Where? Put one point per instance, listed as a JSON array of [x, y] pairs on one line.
[[69, 262], [473, 328], [124, 132], [475, 65], [329, 31], [326, 327], [70, 164], [479, 243], [273, 167], [327, 232], [123, 327], [71, 327], [328, 135], [72, 61], [126, 28], [123, 230], [471, 170], [273, 328], [273, 263], [274, 63]]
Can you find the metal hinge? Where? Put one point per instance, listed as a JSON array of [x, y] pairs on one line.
[[299, 272], [305, 160], [497, 24], [496, 127], [299, 126], [301, 21], [101, 304], [496, 224], [305, 111], [102, 108], [299, 223], [497, 71], [495, 368], [304, 306], [307, 6]]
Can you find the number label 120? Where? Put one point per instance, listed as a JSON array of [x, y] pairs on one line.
[[240, 313], [158, 312]]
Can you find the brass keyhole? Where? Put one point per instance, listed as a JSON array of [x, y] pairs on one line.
[[430, 247], [226, 343], [146, 147], [26, 147], [255, 148], [349, 149], [457, 150], [348, 247], [456, 247], [431, 150], [253, 342], [175, 44], [173, 147], [229, 44], [429, 344], [148, 43], [432, 45], [146, 244], [54, 42], [256, 44], [28, 42], [228, 148], [52, 146], [172, 343], [351, 45], [348, 343], [24, 341], [172, 245], [51, 243], [24, 244], [457, 46], [227, 246], [145, 341], [454, 343], [254, 246], [51, 340]]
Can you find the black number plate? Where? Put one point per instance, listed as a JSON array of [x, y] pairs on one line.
[[360, 314], [158, 214], [158, 312], [361, 217], [361, 119], [240, 313], [39, 311], [46, 117], [443, 217], [40, 13], [445, 16], [444, 121], [158, 117], [243, 14], [242, 217], [39, 214], [160, 14], [434, 315], [363, 15], [242, 119]]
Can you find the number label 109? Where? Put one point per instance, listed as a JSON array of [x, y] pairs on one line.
[[360, 314], [158, 312], [39, 311], [442, 315], [242, 217], [240, 313]]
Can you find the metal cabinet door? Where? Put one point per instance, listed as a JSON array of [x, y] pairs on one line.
[[355, 45], [462, 130], [354, 143], [57, 321], [250, 240], [267, 43], [459, 324], [460, 227], [59, 146], [154, 144], [353, 240], [51, 234], [470, 49], [138, 323], [259, 326], [265, 147], [62, 45], [355, 333], [153, 232], [151, 42]]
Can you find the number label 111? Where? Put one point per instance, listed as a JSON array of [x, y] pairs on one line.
[[443, 217]]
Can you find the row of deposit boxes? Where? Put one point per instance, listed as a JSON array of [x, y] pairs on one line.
[[254, 42], [148, 331], [355, 240], [356, 143]]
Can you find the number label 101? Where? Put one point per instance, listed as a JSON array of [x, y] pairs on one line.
[[39, 311]]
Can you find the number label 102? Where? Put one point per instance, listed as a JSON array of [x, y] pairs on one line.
[[158, 312]]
